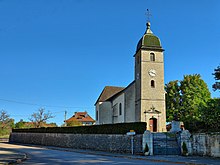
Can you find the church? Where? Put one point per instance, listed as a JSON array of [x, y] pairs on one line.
[[143, 100]]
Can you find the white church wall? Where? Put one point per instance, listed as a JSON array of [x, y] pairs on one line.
[[105, 113], [130, 104], [117, 102], [97, 113]]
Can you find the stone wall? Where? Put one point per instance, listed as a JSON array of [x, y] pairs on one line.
[[205, 144], [99, 142]]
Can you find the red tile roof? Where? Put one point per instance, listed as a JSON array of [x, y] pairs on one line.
[[81, 117]]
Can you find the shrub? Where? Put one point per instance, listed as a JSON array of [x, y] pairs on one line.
[[184, 149], [120, 128], [146, 149]]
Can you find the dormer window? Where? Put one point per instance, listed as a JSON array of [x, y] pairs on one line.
[[152, 57]]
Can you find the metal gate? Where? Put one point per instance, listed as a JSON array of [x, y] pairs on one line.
[[166, 144]]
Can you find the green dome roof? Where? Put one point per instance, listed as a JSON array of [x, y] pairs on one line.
[[149, 40]]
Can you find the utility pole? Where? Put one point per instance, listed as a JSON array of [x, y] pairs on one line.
[[65, 112]]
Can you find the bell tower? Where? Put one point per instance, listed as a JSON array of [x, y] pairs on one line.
[[149, 82]]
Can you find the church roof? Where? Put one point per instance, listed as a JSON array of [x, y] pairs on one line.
[[149, 40], [117, 94], [108, 92]]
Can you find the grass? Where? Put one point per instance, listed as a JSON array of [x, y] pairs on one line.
[[4, 136]]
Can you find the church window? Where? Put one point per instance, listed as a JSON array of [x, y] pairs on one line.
[[152, 57], [120, 109], [152, 83], [97, 115]]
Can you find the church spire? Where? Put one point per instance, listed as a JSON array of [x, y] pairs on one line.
[[148, 14], [149, 40], [148, 31]]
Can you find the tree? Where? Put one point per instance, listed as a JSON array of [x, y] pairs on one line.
[[73, 123], [216, 74], [6, 123], [4, 118], [211, 114], [20, 124], [52, 125], [173, 98], [40, 117], [24, 124], [184, 98], [194, 95]]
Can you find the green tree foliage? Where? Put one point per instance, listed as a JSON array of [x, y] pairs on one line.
[[184, 98], [6, 123], [40, 117], [73, 123], [216, 74], [23, 124], [194, 94], [20, 124], [211, 114], [173, 99], [52, 125]]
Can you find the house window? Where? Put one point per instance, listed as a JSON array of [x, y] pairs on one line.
[[152, 83], [120, 109], [152, 57]]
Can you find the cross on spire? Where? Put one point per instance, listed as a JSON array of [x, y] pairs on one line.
[[148, 14]]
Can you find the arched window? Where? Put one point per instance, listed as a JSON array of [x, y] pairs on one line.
[[152, 57], [152, 83], [120, 109]]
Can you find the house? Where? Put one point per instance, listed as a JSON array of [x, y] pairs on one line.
[[80, 118]]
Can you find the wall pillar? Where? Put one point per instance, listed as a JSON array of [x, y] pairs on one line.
[[148, 138], [185, 137]]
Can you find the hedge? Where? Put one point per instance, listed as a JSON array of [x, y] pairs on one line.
[[120, 128]]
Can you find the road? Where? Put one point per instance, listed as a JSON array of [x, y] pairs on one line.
[[44, 156]]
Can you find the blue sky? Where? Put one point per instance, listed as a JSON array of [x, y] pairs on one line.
[[59, 54]]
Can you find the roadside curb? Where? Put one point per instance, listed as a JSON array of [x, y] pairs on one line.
[[13, 158], [17, 160]]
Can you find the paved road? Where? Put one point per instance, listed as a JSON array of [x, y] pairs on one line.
[[52, 155], [37, 155]]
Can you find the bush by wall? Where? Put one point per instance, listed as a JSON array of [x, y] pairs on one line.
[[120, 128]]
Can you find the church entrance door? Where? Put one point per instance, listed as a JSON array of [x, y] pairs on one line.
[[153, 124]]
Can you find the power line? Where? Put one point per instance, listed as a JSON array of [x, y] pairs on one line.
[[41, 105], [16, 115]]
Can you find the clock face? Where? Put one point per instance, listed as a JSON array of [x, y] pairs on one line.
[[152, 72]]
